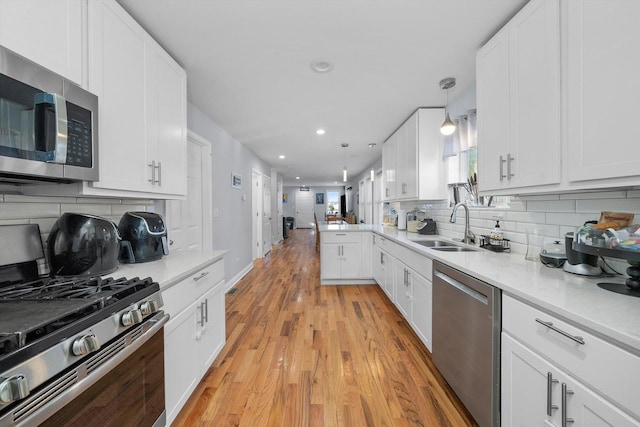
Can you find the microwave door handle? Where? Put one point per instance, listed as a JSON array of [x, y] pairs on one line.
[[62, 127], [165, 246]]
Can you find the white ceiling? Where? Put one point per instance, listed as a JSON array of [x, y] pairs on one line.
[[248, 67]]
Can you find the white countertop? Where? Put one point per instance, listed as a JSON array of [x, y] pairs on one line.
[[575, 298], [172, 268]]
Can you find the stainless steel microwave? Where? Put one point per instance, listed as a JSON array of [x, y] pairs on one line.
[[48, 125]]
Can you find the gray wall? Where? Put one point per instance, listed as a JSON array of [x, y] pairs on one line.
[[232, 226]]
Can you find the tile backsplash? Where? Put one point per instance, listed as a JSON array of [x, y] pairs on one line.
[[556, 214]]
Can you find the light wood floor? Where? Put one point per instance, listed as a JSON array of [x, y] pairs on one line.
[[299, 354]]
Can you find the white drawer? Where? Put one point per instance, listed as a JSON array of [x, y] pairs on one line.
[[184, 293], [384, 243], [340, 237], [612, 371], [417, 262]]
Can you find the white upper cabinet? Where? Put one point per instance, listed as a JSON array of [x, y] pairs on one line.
[[389, 160], [117, 76], [412, 158], [50, 33], [518, 100], [142, 95], [603, 89]]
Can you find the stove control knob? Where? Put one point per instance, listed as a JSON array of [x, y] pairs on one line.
[[149, 307], [13, 388], [85, 344], [131, 317]]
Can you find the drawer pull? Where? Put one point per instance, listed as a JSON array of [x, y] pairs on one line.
[[549, 325], [341, 234], [204, 273], [550, 382]]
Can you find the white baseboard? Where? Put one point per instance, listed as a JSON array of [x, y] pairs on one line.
[[235, 279]]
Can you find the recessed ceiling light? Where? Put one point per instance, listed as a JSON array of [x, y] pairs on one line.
[[321, 65], [281, 156], [320, 132], [297, 177]]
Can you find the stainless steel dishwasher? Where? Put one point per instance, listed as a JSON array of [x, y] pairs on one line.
[[466, 340]]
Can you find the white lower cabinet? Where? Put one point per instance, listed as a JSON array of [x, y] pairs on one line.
[[421, 308], [401, 272], [346, 257], [555, 374], [535, 392], [194, 335]]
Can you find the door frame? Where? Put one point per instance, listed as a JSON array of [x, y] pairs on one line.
[[256, 213]]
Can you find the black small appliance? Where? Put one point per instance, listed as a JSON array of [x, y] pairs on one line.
[[579, 262], [81, 244], [144, 237], [427, 226]]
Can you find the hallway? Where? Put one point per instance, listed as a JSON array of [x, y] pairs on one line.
[[299, 354]]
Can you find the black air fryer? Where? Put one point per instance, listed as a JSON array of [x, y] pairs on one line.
[[144, 237], [81, 244]]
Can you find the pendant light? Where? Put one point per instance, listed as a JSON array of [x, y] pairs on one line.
[[448, 127], [344, 158], [373, 173]]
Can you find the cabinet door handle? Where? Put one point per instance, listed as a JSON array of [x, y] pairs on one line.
[[550, 382], [159, 167], [565, 420], [509, 160], [381, 258], [502, 175], [549, 325], [206, 311], [152, 165], [203, 274], [201, 321]]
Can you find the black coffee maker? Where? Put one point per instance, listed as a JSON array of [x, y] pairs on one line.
[[144, 237]]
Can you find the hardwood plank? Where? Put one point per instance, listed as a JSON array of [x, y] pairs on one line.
[[301, 354]]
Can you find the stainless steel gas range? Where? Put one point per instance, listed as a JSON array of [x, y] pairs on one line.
[[76, 351]]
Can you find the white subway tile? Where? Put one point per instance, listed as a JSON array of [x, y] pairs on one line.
[[13, 221], [98, 201], [616, 205], [45, 224], [621, 194], [552, 206], [569, 219], [517, 206], [528, 217], [99, 210], [633, 194], [29, 210], [146, 202], [119, 210], [540, 197], [545, 229], [19, 198]]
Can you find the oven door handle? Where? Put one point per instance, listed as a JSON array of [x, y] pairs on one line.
[[43, 409]]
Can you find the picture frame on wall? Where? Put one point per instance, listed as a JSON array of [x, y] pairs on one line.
[[236, 181], [319, 198]]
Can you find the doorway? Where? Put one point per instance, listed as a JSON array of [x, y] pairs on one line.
[[189, 221], [304, 209], [261, 213]]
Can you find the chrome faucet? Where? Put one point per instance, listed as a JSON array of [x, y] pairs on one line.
[[469, 237]]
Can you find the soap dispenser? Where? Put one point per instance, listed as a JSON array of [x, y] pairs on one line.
[[496, 236]]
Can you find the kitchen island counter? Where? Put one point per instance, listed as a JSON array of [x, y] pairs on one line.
[[577, 299]]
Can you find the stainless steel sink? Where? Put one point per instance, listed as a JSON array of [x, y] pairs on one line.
[[443, 245], [433, 243], [454, 249]]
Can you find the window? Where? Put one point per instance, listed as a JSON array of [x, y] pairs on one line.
[[333, 202]]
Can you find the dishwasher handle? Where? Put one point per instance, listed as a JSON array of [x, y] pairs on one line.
[[462, 287]]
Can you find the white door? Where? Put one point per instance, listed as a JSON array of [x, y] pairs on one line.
[[189, 221], [256, 212], [266, 215], [304, 209], [278, 223]]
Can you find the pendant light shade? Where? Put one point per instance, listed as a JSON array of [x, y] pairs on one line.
[[344, 158], [373, 172], [447, 127]]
